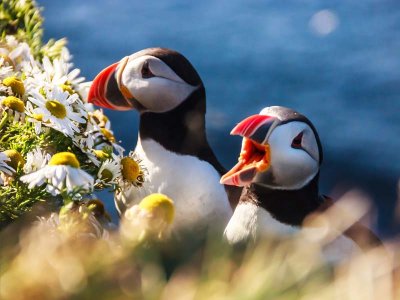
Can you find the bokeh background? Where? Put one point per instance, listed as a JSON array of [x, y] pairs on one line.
[[337, 64]]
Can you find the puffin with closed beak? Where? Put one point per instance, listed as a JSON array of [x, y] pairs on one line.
[[278, 168], [163, 86]]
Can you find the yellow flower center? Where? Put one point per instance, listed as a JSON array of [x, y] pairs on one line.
[[108, 135], [67, 88], [38, 117], [56, 108], [102, 155], [130, 169], [14, 103], [159, 205], [15, 84], [107, 175], [64, 159], [16, 159]]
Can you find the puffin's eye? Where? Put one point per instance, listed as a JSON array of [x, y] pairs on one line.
[[296, 143], [146, 72]]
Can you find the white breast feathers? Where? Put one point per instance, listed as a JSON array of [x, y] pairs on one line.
[[200, 200]]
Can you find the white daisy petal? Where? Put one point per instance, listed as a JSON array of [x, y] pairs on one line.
[[35, 160], [57, 111], [4, 167], [59, 178]]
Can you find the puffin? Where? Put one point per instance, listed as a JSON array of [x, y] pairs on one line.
[[278, 168], [166, 90]]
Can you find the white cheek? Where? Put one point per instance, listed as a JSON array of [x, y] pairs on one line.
[[158, 94], [310, 144], [162, 94], [292, 168]]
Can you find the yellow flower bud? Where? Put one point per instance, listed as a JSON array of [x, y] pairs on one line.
[[160, 206], [102, 155], [108, 135], [15, 84], [16, 160], [14, 103]]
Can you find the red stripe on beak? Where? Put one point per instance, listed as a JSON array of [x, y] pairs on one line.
[[248, 126], [97, 92]]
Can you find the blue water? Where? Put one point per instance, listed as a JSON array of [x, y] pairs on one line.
[[252, 54]]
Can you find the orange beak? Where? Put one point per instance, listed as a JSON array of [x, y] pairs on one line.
[[255, 155], [107, 91]]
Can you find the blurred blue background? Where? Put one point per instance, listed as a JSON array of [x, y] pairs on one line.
[[337, 64]]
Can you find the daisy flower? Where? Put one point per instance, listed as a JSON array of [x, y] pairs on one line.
[[109, 171], [73, 77], [99, 118], [62, 173], [14, 162], [79, 218], [87, 139], [15, 53], [16, 159], [57, 72], [90, 143], [101, 136], [14, 106], [132, 172], [34, 118], [83, 142], [4, 167], [36, 160], [35, 77], [98, 133], [15, 84], [57, 110], [151, 218], [74, 219]]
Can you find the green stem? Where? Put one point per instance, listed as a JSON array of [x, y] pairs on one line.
[[3, 120]]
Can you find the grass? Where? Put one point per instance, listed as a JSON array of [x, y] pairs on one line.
[[43, 262]]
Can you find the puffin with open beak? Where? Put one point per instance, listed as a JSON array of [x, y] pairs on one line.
[[278, 169], [163, 86]]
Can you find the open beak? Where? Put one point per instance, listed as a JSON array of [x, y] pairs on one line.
[[255, 155], [107, 90]]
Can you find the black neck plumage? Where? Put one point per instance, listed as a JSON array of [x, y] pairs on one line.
[[286, 206], [181, 130]]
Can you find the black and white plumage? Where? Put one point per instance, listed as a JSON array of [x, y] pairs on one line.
[[172, 144], [279, 170]]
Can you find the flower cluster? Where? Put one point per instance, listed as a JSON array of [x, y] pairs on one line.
[[54, 147]]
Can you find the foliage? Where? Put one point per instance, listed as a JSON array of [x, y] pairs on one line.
[[126, 267], [54, 147], [22, 19]]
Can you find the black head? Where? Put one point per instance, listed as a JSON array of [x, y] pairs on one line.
[[281, 149], [153, 80]]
